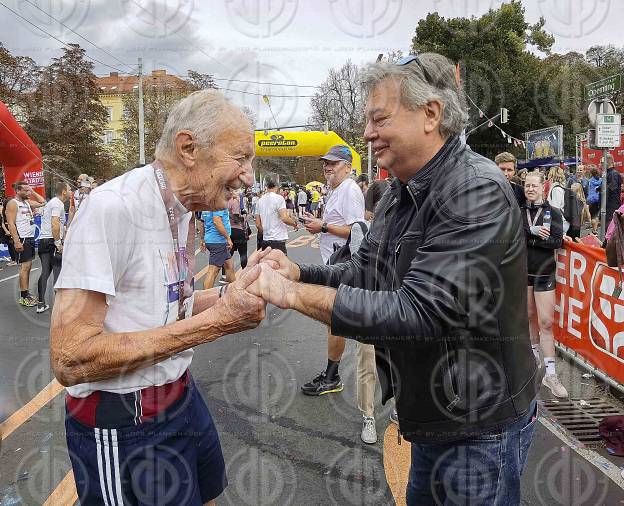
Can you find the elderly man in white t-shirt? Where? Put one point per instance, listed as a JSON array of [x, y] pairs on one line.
[[344, 206], [126, 316]]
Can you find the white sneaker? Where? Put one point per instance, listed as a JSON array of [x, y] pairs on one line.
[[369, 434], [41, 308], [552, 382]]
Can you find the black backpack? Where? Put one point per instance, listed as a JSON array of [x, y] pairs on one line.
[[569, 210], [343, 253]]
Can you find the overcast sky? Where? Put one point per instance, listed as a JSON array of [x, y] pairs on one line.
[[276, 41]]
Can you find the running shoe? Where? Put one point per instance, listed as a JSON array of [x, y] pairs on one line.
[[42, 308], [369, 433], [313, 385], [325, 386], [26, 301], [552, 382], [394, 418]]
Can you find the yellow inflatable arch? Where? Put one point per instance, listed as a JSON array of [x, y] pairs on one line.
[[281, 143]]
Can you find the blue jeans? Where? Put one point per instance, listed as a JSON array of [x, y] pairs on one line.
[[483, 470]]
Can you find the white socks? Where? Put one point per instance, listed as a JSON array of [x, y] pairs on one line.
[[536, 350], [549, 362]]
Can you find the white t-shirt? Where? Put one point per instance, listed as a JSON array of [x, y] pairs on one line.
[[273, 228], [53, 208], [302, 198], [24, 219], [120, 245], [343, 206]]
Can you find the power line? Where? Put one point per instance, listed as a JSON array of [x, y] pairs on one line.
[[56, 38], [75, 32]]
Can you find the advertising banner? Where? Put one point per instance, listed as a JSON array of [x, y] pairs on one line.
[[589, 311], [544, 143], [593, 156]]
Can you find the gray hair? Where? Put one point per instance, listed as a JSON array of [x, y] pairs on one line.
[[202, 112], [271, 180], [433, 79]]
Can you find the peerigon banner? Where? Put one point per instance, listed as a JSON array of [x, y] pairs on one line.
[[544, 143], [589, 313]]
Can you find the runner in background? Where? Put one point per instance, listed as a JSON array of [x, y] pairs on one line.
[[238, 222], [51, 241], [543, 226], [272, 216], [215, 228], [21, 225]]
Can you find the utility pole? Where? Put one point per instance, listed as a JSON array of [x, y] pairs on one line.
[[141, 116], [603, 199]]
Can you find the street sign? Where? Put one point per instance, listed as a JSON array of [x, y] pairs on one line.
[[604, 87], [598, 106], [608, 130]]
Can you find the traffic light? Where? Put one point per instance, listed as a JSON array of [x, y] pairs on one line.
[[504, 115]]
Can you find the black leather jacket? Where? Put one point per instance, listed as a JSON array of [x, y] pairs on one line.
[[443, 300]]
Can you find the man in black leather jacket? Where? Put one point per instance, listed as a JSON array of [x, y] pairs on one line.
[[438, 286]]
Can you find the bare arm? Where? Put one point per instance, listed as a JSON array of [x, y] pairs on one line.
[[56, 228], [11, 216], [287, 218], [220, 227], [36, 200], [200, 226], [258, 222], [81, 351]]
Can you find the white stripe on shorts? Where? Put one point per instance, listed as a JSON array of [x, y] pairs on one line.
[[101, 467]]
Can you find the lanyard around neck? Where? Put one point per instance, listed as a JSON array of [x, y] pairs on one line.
[[185, 258], [533, 221]]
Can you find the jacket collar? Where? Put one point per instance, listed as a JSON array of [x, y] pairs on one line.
[[422, 180]]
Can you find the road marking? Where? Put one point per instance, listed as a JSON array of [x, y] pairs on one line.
[[17, 275], [30, 408], [65, 493], [604, 465], [396, 462]]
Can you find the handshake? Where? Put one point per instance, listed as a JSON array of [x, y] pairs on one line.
[[268, 278]]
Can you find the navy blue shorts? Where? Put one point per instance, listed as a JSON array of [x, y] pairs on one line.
[[219, 254], [175, 460]]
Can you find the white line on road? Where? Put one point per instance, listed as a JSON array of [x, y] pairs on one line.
[[17, 275]]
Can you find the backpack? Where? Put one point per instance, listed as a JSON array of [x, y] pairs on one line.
[[593, 195], [569, 202], [342, 253]]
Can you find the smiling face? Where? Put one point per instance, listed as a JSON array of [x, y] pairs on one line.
[[403, 140], [223, 167]]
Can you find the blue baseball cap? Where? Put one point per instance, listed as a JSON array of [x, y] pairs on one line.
[[338, 153]]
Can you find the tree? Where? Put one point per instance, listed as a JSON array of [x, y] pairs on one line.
[[201, 81], [18, 76], [339, 102], [65, 117], [498, 61]]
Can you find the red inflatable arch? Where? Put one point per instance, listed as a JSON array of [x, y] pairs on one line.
[[19, 155]]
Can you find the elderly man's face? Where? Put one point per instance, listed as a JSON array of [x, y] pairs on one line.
[[335, 172], [397, 134], [225, 166]]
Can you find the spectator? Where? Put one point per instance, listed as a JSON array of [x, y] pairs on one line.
[[216, 230], [272, 216], [542, 239], [507, 163], [579, 212], [557, 194], [375, 191], [345, 206], [238, 222], [302, 201], [614, 185], [593, 197]]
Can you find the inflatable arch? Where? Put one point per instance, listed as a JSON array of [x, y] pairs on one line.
[[281, 143]]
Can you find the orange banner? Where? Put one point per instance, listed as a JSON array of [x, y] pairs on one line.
[[589, 311]]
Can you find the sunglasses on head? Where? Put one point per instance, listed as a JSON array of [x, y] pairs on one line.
[[406, 60]]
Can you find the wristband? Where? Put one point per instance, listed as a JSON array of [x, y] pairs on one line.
[[325, 227]]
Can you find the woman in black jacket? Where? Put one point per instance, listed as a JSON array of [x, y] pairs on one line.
[[543, 225]]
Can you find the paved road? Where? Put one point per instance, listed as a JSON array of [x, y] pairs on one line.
[[280, 447]]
